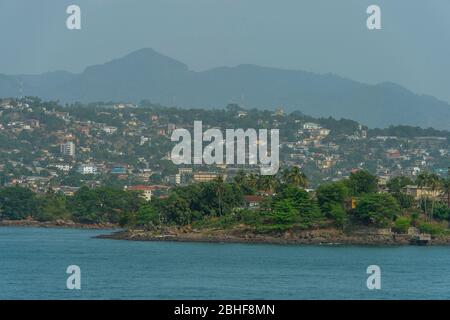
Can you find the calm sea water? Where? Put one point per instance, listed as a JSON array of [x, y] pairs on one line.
[[33, 265]]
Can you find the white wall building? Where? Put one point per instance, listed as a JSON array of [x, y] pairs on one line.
[[311, 126], [68, 149], [87, 169]]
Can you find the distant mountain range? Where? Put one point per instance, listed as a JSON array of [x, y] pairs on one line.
[[146, 74]]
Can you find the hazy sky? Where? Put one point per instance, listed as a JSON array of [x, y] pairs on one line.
[[412, 49]]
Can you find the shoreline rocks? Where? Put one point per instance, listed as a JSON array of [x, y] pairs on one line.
[[56, 224], [239, 234], [313, 237]]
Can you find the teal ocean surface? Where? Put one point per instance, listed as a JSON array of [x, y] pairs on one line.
[[33, 264]]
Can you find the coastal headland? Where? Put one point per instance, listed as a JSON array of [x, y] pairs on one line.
[[241, 234]]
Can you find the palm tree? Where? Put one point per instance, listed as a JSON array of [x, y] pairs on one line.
[[431, 182], [434, 182], [240, 178], [268, 183], [446, 189], [295, 177], [220, 189], [252, 181], [422, 182]]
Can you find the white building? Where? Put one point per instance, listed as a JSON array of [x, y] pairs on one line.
[[87, 169], [145, 191], [68, 149], [143, 140], [62, 167], [110, 129], [311, 126]]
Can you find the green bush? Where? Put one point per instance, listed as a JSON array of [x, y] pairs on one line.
[[338, 214], [294, 205], [402, 224], [284, 212], [147, 216], [248, 217], [330, 194], [441, 212], [17, 203], [377, 209], [405, 201], [432, 228], [362, 182]]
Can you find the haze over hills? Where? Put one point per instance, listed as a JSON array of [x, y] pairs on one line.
[[146, 74]]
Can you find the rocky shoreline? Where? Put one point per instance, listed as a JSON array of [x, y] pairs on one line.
[[68, 224], [329, 236], [313, 237]]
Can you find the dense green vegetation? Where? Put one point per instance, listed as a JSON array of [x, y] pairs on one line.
[[409, 132], [101, 205], [283, 204]]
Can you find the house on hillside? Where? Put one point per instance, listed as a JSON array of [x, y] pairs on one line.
[[253, 202], [145, 191]]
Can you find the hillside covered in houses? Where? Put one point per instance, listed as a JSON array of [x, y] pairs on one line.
[[109, 163], [43, 144]]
